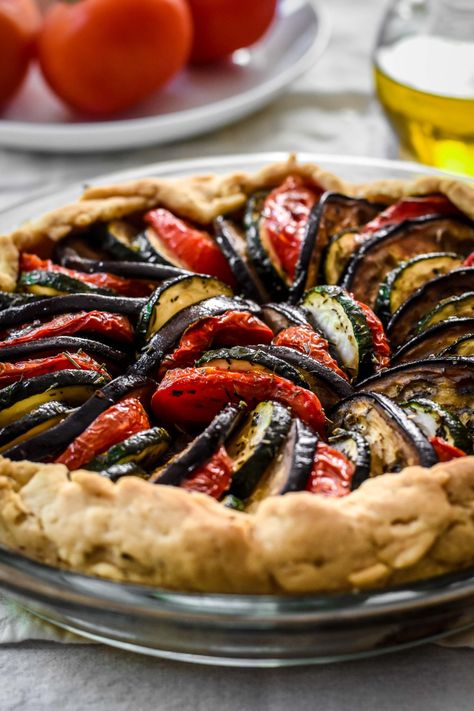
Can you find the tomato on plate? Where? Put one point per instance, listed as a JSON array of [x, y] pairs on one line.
[[20, 21], [222, 26], [103, 56]]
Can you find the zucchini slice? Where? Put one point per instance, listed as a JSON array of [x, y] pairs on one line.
[[338, 254], [328, 385], [452, 307], [200, 450], [435, 421], [401, 282], [424, 299], [117, 238], [434, 340], [464, 346], [44, 283], [261, 252], [248, 358], [386, 249], [33, 423], [447, 381], [332, 214], [281, 316], [395, 441], [336, 315], [145, 448], [50, 346], [253, 447], [70, 386], [234, 248], [175, 295], [356, 448], [289, 469]]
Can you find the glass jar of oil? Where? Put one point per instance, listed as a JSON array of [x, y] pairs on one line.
[[424, 77]]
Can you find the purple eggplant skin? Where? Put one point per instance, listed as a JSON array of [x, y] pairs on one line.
[[72, 303], [201, 449], [281, 316], [303, 442], [44, 347], [424, 299], [169, 335], [434, 340], [386, 248], [131, 270]]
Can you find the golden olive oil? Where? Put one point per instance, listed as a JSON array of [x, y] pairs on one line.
[[427, 90]]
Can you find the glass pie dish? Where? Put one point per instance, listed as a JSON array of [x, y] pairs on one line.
[[238, 629]]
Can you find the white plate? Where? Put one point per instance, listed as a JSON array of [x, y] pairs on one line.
[[197, 101]]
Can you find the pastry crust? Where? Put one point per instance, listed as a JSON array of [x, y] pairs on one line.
[[393, 529]]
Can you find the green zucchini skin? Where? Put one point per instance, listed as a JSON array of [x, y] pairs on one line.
[[463, 346], [256, 443], [401, 282], [273, 278], [371, 263], [435, 421], [117, 238], [335, 314], [148, 245], [434, 341], [356, 448], [41, 415], [201, 449], [250, 358], [42, 282], [118, 471], [337, 255], [144, 448], [405, 319], [452, 307], [232, 502], [395, 441]]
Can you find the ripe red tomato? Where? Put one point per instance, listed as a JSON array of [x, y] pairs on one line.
[[103, 56], [19, 24], [222, 26]]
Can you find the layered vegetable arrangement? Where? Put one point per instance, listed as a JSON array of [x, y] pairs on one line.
[[307, 342]]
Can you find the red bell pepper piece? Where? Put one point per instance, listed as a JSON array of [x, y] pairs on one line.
[[285, 214], [380, 342], [445, 451], [106, 324], [117, 284], [193, 396], [24, 369], [212, 478], [332, 472], [232, 328], [305, 340], [114, 425], [193, 249], [409, 208]]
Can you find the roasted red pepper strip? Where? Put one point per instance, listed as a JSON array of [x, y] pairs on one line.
[[469, 261], [285, 215], [106, 324], [114, 425], [194, 249], [445, 451], [380, 342], [212, 478], [408, 208], [192, 396], [117, 284], [11, 372], [305, 340], [234, 328], [332, 472]]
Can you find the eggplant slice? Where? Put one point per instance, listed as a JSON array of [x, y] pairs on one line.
[[434, 340], [404, 321], [43, 347], [395, 441], [464, 346], [130, 270], [281, 316], [356, 448], [447, 381], [387, 248]]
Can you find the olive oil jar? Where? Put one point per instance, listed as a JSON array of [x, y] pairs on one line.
[[424, 78]]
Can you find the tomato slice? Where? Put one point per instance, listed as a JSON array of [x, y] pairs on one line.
[[22, 369], [117, 284], [193, 396], [331, 474], [381, 346], [212, 478], [409, 208], [305, 340], [284, 217], [469, 261], [110, 325], [445, 451], [234, 328], [193, 249], [114, 425]]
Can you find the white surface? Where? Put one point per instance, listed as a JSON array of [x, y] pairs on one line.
[[197, 101]]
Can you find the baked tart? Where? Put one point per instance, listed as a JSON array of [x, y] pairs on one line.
[[256, 383]]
